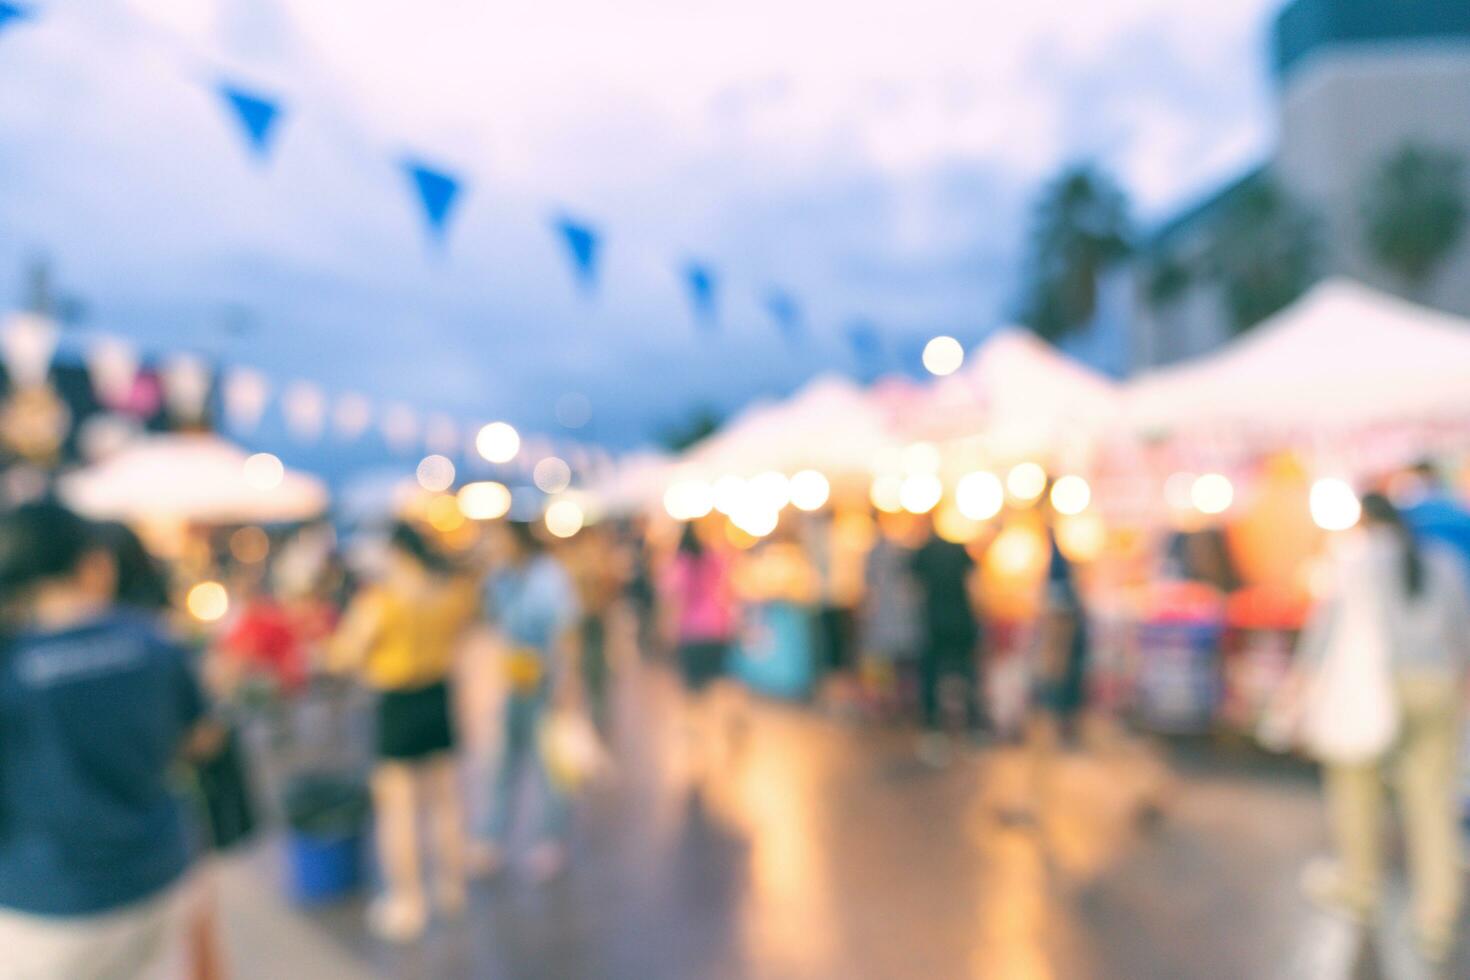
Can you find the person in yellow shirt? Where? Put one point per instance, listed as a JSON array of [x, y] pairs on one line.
[[400, 636]]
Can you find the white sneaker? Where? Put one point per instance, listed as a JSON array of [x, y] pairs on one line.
[[398, 920]]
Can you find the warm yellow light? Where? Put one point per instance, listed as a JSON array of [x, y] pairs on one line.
[[809, 490], [208, 602], [552, 475], [564, 518], [979, 496], [1082, 538], [484, 501], [1026, 481], [887, 494], [689, 500], [264, 471], [1334, 505], [770, 490], [756, 519], [1212, 493], [436, 473], [1016, 550], [729, 494], [443, 514], [498, 442], [1070, 495], [920, 493], [250, 545], [954, 526], [943, 355]]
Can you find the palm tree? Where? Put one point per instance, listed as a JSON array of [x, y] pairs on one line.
[[1265, 252], [1414, 211], [1079, 226]]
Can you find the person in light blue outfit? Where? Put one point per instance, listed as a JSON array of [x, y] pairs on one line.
[[532, 601]]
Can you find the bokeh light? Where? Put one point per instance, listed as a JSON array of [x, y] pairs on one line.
[[689, 500], [1212, 493], [921, 457], [1016, 551], [980, 496], [573, 410], [564, 518], [770, 490], [498, 442], [436, 473], [485, 500], [263, 471], [943, 355], [552, 475], [729, 492], [920, 493], [756, 519], [951, 524], [1082, 538], [208, 602], [1334, 505], [1070, 495], [250, 545], [887, 494], [1026, 482], [809, 490], [444, 514]]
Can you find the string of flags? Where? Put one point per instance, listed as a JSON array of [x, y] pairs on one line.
[[437, 193], [186, 387]]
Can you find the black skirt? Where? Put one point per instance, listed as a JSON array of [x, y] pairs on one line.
[[415, 724], [702, 662]]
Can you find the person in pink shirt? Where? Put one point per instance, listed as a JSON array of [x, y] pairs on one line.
[[699, 602]]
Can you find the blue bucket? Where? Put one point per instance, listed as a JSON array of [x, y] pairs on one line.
[[323, 869]]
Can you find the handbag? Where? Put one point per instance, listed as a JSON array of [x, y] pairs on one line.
[[1350, 713], [224, 787]]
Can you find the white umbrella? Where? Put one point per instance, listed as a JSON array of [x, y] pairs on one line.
[[192, 478]]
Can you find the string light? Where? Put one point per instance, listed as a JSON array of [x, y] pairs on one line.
[[980, 496], [1070, 495], [564, 518], [498, 442], [436, 473], [1334, 505], [208, 602], [943, 355], [1026, 482], [264, 471], [809, 490], [484, 501]]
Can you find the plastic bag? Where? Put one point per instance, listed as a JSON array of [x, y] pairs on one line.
[[573, 753]]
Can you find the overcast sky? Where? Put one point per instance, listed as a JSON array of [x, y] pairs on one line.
[[875, 158]]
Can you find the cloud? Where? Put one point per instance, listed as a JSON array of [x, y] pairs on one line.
[[877, 159]]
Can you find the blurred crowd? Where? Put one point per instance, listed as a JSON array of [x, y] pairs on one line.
[[140, 699]]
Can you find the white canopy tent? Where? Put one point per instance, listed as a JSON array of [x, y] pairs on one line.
[[1343, 358], [830, 425], [1022, 395], [189, 479]]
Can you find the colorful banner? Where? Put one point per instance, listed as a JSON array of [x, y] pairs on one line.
[[256, 115], [437, 194], [582, 242], [700, 281]]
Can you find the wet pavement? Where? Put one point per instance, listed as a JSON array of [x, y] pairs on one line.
[[826, 849]]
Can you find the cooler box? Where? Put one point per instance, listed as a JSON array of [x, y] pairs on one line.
[[1179, 672], [775, 654]]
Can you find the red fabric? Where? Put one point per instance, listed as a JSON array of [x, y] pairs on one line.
[[266, 637]]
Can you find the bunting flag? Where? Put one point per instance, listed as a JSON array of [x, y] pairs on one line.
[[27, 345], [256, 115], [582, 242], [245, 395], [11, 13], [112, 366], [700, 280], [437, 194], [785, 311], [352, 415], [400, 427], [305, 409]]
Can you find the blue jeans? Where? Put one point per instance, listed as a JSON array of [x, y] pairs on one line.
[[520, 749]]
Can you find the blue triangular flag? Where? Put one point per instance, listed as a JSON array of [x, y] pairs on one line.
[[12, 12], [582, 241], [786, 312], [437, 193], [701, 282], [256, 115]]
